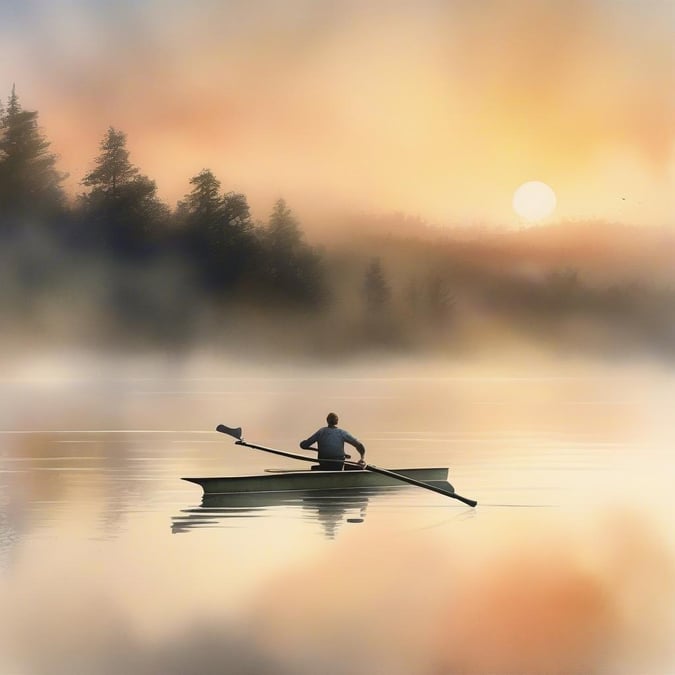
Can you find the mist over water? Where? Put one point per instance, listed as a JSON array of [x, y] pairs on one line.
[[309, 210], [109, 562]]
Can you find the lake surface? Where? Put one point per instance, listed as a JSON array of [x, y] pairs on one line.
[[109, 563]]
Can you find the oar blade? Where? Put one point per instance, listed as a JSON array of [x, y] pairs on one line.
[[235, 433], [428, 486]]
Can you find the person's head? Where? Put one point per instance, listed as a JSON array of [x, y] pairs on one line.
[[332, 419]]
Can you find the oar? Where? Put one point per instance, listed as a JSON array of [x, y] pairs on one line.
[[236, 433]]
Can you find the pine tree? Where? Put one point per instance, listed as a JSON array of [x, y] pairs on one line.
[[283, 231], [121, 209], [3, 131], [440, 302], [113, 170], [241, 248], [30, 185], [237, 212], [217, 233], [378, 324], [291, 267], [202, 207], [376, 290]]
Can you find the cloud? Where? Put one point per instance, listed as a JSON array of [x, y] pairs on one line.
[[429, 108]]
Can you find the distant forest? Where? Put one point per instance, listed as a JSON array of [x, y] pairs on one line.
[[115, 267]]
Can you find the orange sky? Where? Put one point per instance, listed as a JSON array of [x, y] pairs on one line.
[[436, 108]]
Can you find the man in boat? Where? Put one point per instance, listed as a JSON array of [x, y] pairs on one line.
[[331, 445]]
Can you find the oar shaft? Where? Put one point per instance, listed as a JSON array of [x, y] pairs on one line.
[[292, 455], [428, 486], [367, 467]]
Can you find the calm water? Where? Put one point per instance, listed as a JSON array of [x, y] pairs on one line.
[[109, 563]]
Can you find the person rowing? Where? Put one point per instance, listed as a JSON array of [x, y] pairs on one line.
[[330, 442], [235, 432]]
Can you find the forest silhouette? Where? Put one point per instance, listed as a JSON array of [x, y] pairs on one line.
[[116, 267]]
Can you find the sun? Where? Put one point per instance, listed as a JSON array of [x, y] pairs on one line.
[[534, 200]]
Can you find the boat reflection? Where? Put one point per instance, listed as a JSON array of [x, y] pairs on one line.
[[329, 508]]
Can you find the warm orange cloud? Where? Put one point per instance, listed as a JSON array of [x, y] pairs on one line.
[[438, 109]]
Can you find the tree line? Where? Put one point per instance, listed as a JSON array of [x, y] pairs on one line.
[[151, 268], [119, 218], [139, 267]]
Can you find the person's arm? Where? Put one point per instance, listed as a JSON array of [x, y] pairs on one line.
[[305, 445], [348, 438]]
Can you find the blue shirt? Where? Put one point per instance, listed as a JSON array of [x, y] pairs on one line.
[[331, 442]]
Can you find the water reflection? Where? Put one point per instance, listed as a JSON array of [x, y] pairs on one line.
[[90, 483], [329, 508], [9, 537]]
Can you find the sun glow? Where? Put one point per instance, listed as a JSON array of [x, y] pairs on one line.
[[534, 200]]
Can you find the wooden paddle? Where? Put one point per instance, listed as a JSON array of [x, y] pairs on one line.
[[236, 433]]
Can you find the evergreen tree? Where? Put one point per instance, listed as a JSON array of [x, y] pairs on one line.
[[3, 131], [30, 185], [241, 248], [283, 231], [440, 302], [202, 208], [237, 212], [122, 210], [376, 290], [378, 325], [218, 233], [113, 171], [200, 216], [292, 268]]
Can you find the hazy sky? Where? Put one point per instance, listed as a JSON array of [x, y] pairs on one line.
[[437, 108]]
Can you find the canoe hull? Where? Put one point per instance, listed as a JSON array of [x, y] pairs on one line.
[[316, 480]]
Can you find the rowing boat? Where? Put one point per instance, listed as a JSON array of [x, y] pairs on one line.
[[354, 475], [281, 481]]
